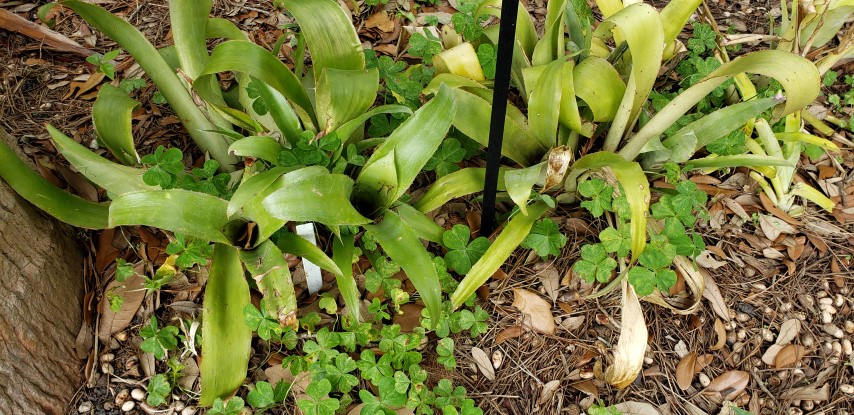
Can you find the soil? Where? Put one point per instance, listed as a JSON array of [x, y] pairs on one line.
[[763, 282]]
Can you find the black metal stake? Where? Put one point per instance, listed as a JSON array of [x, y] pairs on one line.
[[506, 39]]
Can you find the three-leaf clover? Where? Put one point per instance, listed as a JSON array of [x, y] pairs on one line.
[[190, 252], [545, 238], [260, 321], [731, 144], [445, 350], [465, 21], [265, 395], [462, 254], [234, 406], [158, 389], [158, 341], [319, 404], [444, 160], [595, 264], [424, 45], [600, 195], [617, 241], [164, 167], [653, 272], [703, 39]]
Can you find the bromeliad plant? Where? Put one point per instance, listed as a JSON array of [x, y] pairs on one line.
[[283, 146], [589, 86]]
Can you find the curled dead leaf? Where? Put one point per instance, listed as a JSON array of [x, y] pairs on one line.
[[720, 331], [628, 355], [729, 384], [789, 356], [685, 371], [538, 309]]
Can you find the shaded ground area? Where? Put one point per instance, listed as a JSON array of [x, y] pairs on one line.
[[780, 280]]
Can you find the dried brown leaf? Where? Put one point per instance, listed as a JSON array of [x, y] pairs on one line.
[[637, 408], [483, 362], [811, 392], [788, 331], [538, 309], [133, 292], [685, 371], [631, 345], [789, 356], [729, 384], [772, 227], [706, 260], [508, 333], [721, 333], [713, 294], [588, 387], [548, 392]]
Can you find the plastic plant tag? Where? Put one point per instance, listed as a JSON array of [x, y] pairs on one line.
[[313, 278]]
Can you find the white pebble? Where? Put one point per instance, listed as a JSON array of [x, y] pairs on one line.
[[849, 327], [107, 357], [190, 410], [847, 347], [833, 331], [704, 379], [128, 406], [179, 405], [825, 301], [836, 349], [839, 300], [846, 389], [826, 318], [122, 396], [84, 407], [137, 394], [106, 368], [767, 335]]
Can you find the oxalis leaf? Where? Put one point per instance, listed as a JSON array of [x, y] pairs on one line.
[[595, 264], [462, 254], [545, 238]]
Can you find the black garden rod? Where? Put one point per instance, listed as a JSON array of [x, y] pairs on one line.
[[506, 39]]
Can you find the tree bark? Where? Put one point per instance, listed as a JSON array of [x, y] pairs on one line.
[[41, 288]]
